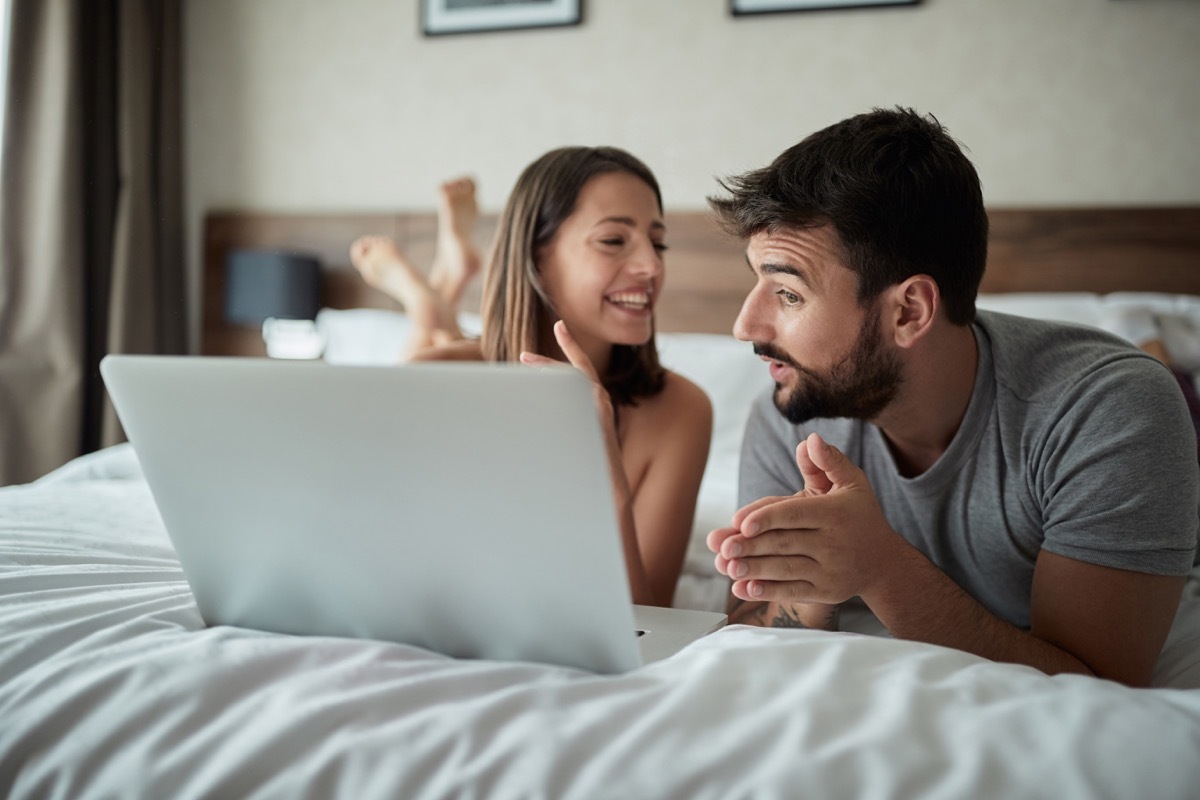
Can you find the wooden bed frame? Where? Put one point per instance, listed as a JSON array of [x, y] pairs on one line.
[[1031, 250]]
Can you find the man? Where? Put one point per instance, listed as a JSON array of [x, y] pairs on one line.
[[1018, 489]]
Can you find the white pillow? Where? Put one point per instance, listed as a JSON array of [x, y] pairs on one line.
[[1081, 308], [732, 376], [372, 336]]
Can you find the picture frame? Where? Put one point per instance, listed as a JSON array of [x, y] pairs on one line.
[[751, 7], [447, 17]]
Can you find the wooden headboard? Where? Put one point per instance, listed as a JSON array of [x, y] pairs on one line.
[[1030, 250]]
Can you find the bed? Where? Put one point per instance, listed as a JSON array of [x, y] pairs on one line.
[[111, 686]]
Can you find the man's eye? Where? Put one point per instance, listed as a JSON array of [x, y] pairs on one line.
[[789, 298], [661, 247], [613, 242]]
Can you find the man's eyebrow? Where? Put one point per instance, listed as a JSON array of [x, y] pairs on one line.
[[781, 269]]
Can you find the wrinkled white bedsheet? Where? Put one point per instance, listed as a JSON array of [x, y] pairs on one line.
[[110, 686]]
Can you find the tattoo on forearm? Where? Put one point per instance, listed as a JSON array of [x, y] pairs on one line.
[[786, 617]]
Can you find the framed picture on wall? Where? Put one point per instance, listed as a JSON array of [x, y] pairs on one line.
[[440, 17], [740, 7]]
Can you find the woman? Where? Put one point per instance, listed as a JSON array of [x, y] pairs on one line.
[[574, 274]]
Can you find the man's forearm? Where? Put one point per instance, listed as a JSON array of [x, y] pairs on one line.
[[921, 604], [925, 605]]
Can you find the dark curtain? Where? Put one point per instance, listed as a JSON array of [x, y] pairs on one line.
[[91, 222]]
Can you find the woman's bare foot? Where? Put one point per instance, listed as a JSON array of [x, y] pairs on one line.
[[384, 267], [457, 259]]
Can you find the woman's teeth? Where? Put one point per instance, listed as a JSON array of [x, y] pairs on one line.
[[635, 300]]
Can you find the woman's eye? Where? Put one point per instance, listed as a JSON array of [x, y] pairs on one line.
[[614, 242], [661, 247], [789, 298]]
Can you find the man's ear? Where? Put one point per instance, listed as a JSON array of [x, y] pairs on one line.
[[913, 306]]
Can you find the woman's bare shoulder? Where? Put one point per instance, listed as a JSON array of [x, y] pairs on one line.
[[674, 427], [685, 392]]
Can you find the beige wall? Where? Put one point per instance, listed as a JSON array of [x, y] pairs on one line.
[[319, 105]]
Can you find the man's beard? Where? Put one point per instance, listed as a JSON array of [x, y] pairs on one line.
[[859, 386]]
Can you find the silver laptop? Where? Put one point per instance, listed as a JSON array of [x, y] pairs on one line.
[[463, 508]]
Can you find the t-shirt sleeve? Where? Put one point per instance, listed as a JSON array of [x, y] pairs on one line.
[[768, 461], [1118, 480]]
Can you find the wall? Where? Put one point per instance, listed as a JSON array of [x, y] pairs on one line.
[[314, 105]]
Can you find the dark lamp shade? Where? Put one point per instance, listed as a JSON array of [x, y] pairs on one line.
[[260, 284]]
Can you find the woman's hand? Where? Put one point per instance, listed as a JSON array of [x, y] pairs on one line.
[[580, 361]]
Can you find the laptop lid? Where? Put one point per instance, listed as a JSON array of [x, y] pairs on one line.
[[464, 508]]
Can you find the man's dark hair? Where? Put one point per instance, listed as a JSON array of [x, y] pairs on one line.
[[898, 190]]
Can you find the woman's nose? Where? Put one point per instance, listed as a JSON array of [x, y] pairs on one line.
[[647, 261]]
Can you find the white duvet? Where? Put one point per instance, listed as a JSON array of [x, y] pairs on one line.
[[110, 686]]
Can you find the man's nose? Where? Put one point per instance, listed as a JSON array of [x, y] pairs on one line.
[[751, 324]]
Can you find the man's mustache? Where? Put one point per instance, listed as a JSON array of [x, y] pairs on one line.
[[775, 354]]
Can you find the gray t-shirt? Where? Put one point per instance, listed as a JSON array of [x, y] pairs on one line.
[[1074, 441]]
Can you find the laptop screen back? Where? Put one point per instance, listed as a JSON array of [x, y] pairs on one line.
[[463, 508]]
